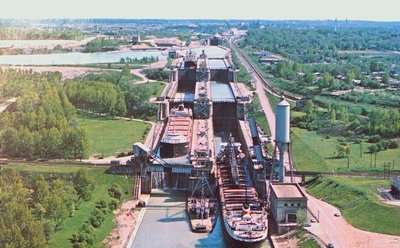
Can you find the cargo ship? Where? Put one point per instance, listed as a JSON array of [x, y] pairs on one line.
[[202, 207], [245, 217], [177, 137]]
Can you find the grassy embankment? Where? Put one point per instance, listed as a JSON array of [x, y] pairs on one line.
[[102, 182], [357, 199], [256, 111], [110, 136], [305, 241], [313, 152]]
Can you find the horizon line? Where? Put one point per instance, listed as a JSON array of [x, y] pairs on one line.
[[198, 19]]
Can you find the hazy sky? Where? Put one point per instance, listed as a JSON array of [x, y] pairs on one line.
[[378, 10]]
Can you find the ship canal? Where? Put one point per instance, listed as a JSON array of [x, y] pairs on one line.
[[165, 224]]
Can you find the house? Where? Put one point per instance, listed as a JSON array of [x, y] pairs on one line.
[[216, 40], [269, 60], [135, 39], [286, 200], [172, 54]]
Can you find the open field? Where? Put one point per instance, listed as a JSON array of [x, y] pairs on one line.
[[357, 199], [313, 152], [102, 183], [155, 88], [109, 136]]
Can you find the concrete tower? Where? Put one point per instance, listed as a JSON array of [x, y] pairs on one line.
[[282, 133]]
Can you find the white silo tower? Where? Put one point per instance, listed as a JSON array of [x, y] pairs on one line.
[[282, 133]]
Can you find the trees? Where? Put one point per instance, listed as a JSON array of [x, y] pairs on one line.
[[116, 191], [83, 184], [156, 74], [301, 216], [43, 118], [18, 227], [53, 203], [384, 122], [309, 107], [343, 150], [96, 97], [309, 78]]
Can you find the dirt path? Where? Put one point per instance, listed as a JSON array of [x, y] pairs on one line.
[[137, 72], [125, 222]]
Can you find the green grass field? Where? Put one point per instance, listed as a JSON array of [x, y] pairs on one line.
[[304, 241], [102, 182], [155, 88], [313, 152], [357, 199], [108, 136]]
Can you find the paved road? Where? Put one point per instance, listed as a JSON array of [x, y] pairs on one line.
[[265, 105], [137, 72], [341, 234], [165, 224]]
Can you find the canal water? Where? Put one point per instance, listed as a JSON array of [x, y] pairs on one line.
[[76, 58], [165, 224]]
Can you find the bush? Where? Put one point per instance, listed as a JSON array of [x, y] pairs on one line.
[[97, 218], [113, 204], [101, 204], [115, 191], [393, 144], [374, 139], [383, 145], [84, 237], [157, 74]]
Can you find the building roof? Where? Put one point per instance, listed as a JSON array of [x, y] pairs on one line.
[[287, 190]]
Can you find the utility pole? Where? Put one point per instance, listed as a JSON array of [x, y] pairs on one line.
[[370, 163], [386, 170], [348, 161]]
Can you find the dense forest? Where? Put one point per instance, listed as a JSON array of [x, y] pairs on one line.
[[136, 96], [43, 125], [32, 209]]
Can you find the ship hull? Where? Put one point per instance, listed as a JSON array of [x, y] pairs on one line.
[[244, 239], [244, 216], [204, 225]]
